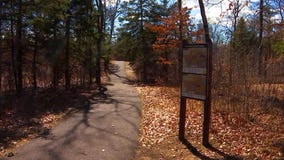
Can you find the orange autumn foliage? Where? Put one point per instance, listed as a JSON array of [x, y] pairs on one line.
[[167, 30]]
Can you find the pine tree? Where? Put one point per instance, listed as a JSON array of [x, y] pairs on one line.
[[243, 39]]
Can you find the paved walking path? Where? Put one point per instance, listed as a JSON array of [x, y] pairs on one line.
[[107, 130]]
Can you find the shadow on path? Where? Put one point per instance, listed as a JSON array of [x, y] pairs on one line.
[[106, 128]]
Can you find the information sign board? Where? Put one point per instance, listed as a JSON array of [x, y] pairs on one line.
[[194, 86], [194, 60], [194, 71]]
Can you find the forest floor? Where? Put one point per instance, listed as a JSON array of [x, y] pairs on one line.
[[232, 136]]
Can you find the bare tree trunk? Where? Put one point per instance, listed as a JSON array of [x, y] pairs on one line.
[[19, 49], [34, 64], [232, 55], [114, 16], [1, 49], [100, 26], [67, 52], [55, 75], [260, 37], [142, 42], [280, 8], [13, 50], [98, 58], [90, 69], [55, 65], [236, 11], [166, 68]]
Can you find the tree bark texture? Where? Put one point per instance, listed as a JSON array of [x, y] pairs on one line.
[[19, 49], [67, 52], [260, 37]]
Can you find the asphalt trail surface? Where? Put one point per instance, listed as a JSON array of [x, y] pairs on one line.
[[107, 129]]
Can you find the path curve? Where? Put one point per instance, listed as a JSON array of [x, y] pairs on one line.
[[107, 130]]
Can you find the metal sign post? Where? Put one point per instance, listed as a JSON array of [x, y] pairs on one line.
[[196, 84]]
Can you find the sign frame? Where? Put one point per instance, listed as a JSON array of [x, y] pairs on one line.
[[195, 71], [206, 98]]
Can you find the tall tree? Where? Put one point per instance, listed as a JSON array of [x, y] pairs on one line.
[[3, 21], [54, 14], [19, 47], [12, 34], [277, 6], [67, 49], [260, 37], [111, 14], [100, 29], [1, 44], [242, 41], [36, 23], [85, 33]]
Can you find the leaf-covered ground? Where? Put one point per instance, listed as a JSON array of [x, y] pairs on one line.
[[231, 136]]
